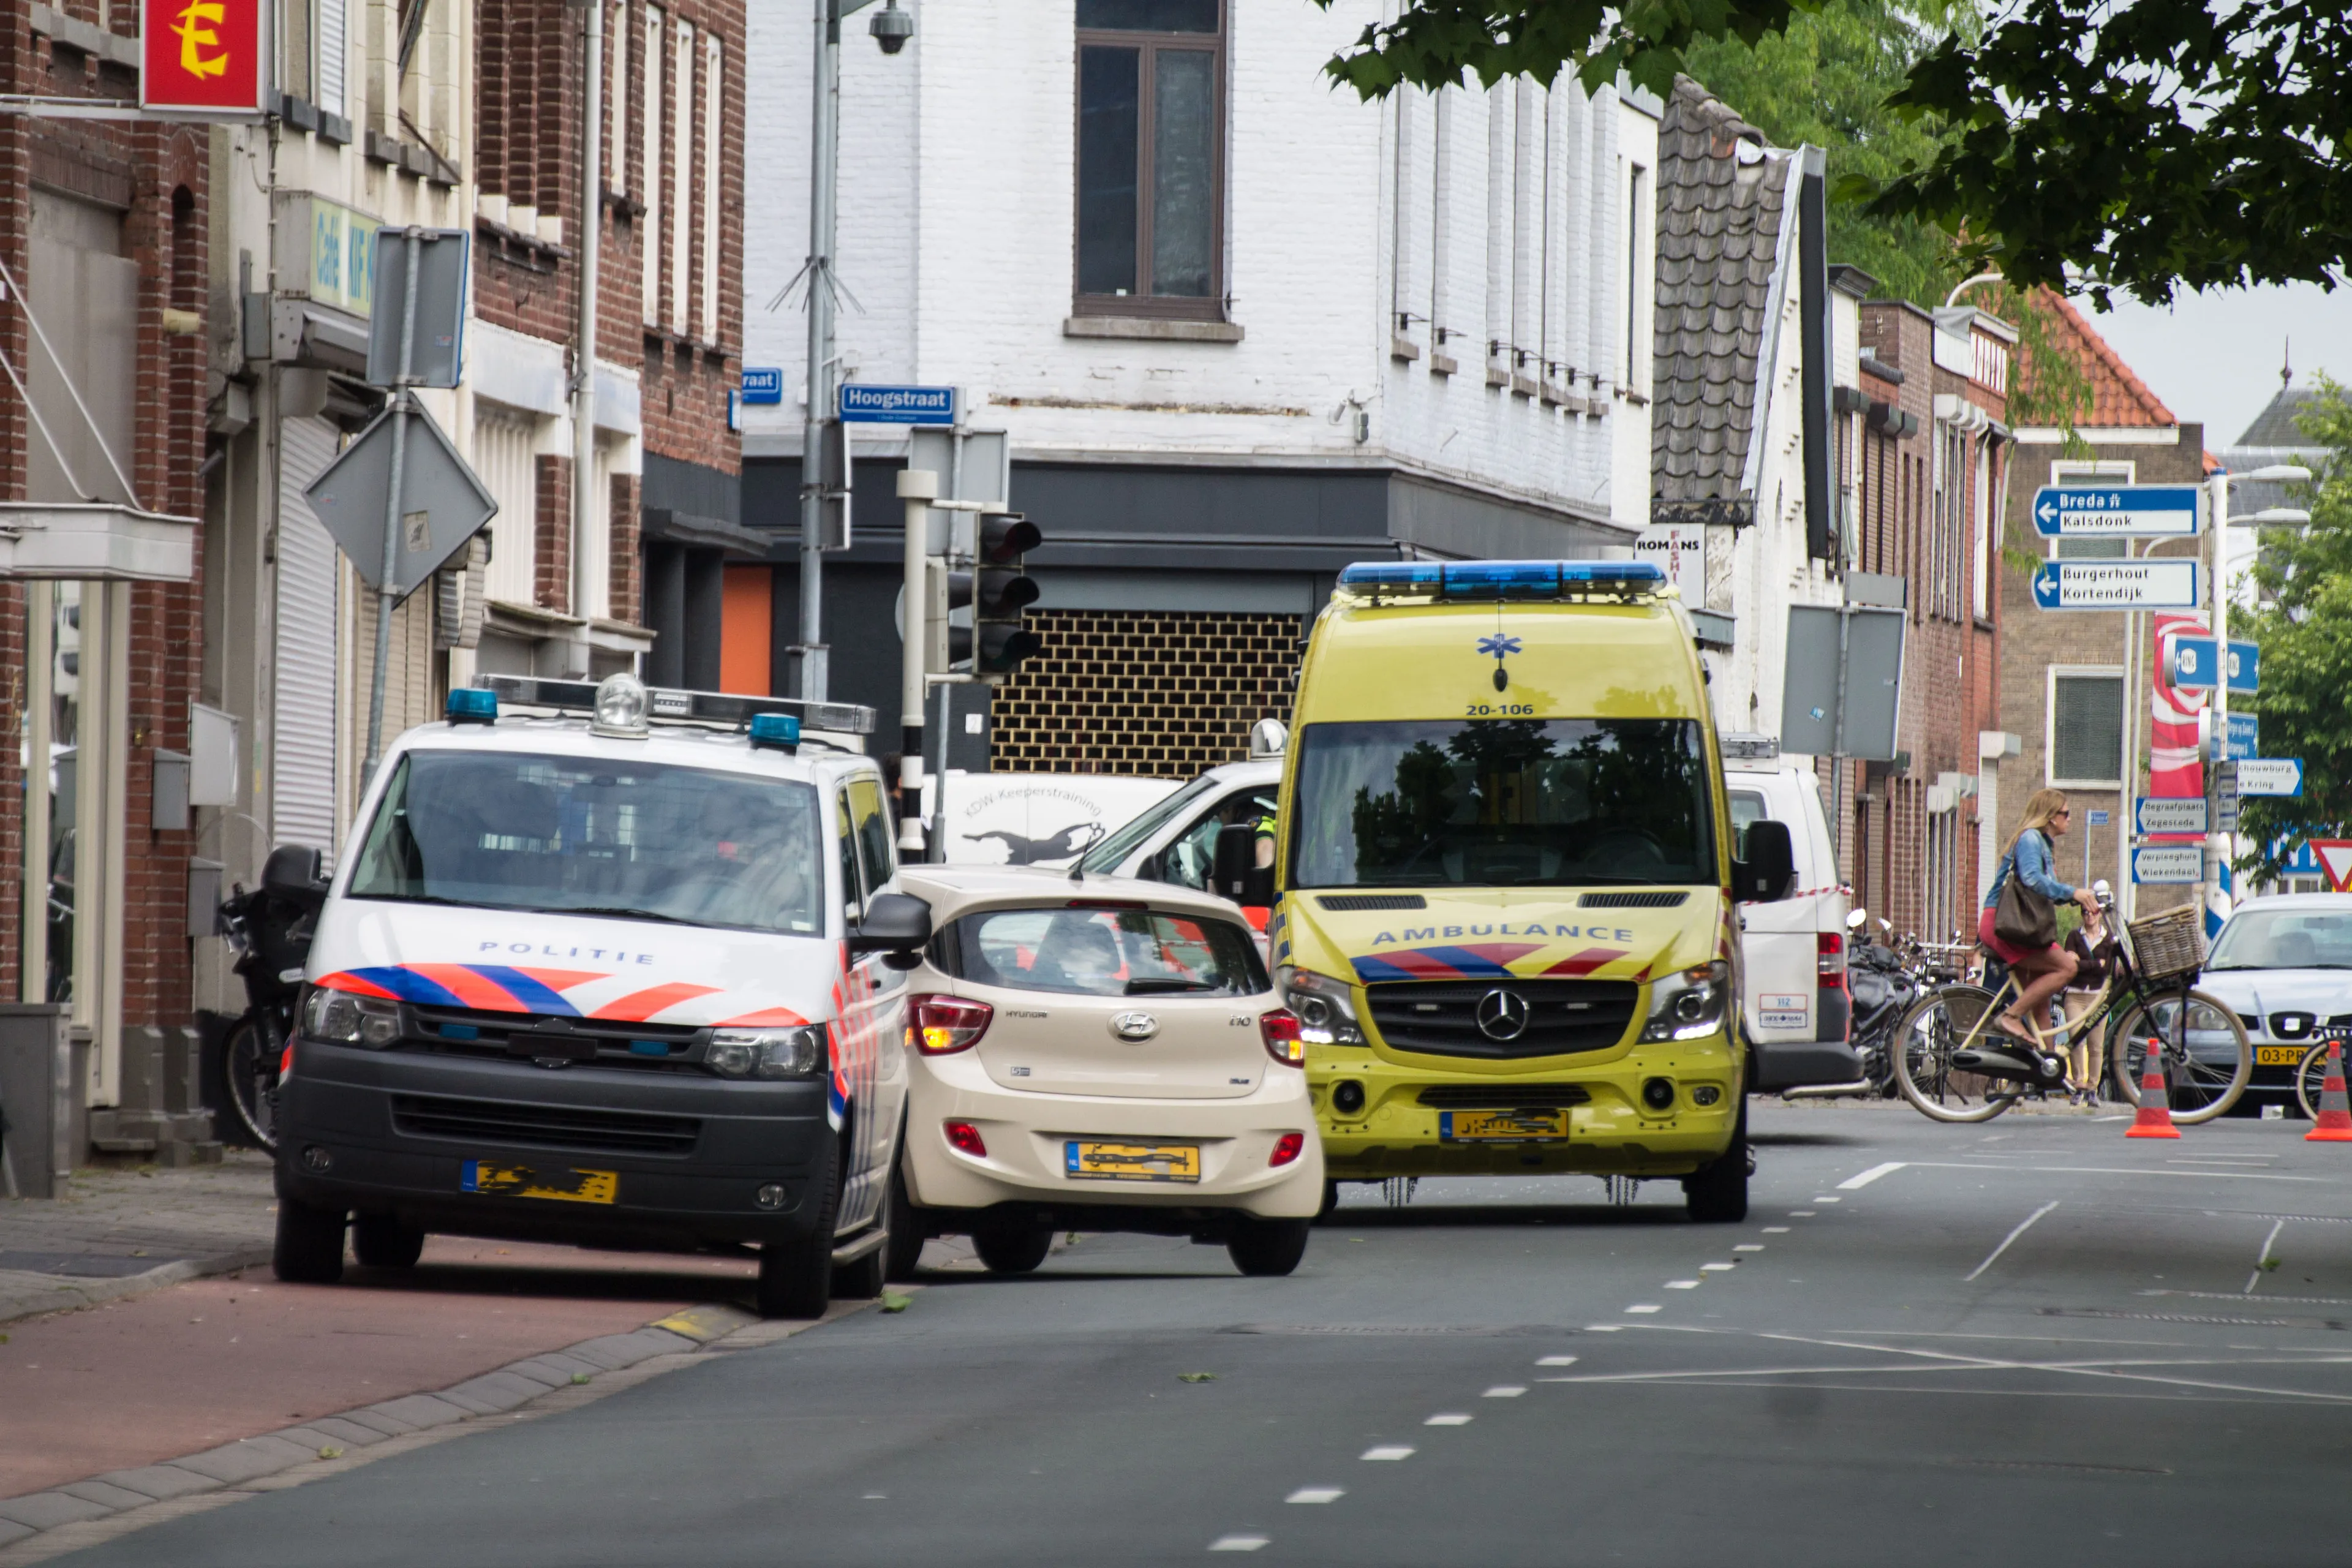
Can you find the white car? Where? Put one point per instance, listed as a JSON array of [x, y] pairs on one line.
[[1795, 1012], [2283, 964], [1097, 1053]]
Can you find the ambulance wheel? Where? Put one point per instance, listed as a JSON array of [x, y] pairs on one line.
[[1716, 1193], [309, 1244], [380, 1241]]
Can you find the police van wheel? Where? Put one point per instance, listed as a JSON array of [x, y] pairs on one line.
[[310, 1245], [1267, 1248], [380, 1241], [1011, 1247], [797, 1276]]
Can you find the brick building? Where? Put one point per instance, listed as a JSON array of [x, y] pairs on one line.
[[2067, 677], [1928, 463], [104, 228]]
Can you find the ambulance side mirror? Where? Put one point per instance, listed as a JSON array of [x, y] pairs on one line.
[[1236, 875], [1769, 872]]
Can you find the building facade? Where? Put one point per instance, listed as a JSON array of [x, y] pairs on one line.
[[1240, 329]]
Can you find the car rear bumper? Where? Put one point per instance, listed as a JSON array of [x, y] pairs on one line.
[[352, 1137], [1028, 1136]]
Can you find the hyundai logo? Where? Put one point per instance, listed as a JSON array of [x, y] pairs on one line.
[[1134, 1027], [1502, 1015]]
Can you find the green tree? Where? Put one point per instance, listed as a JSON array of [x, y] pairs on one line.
[[2139, 146], [2304, 630]]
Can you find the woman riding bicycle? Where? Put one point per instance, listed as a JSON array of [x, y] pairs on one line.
[[2043, 972]]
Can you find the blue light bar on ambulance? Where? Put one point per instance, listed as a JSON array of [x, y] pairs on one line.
[[669, 706], [1404, 582], [472, 705]]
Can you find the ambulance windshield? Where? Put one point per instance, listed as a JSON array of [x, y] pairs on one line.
[[589, 835], [1502, 803]]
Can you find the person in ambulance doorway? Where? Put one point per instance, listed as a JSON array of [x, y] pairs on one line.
[[2042, 971]]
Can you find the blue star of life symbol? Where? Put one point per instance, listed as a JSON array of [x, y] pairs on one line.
[[1498, 645]]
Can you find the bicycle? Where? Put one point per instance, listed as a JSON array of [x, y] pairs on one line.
[[2149, 1005], [2312, 1071], [270, 934]]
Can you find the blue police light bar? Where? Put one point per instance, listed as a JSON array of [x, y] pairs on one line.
[[666, 705], [775, 732], [473, 705], [1380, 582]]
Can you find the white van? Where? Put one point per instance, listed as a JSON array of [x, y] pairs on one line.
[[1796, 1010]]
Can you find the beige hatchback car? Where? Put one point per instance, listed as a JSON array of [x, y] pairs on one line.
[[1098, 1054]]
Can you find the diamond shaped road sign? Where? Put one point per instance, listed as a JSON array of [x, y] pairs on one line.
[[442, 502]]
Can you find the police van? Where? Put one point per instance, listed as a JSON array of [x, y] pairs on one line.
[[609, 966]]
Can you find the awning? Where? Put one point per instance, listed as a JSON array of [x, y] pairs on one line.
[[97, 542]]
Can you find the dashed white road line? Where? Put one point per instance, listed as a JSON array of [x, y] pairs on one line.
[[1645, 1307], [1388, 1451], [1776, 1230], [1855, 1184], [1556, 1361], [1750, 1247], [1317, 1494], [2023, 1226], [1446, 1419], [1681, 1284], [1717, 1267], [1504, 1391], [1827, 1198], [1238, 1542], [1799, 1214]]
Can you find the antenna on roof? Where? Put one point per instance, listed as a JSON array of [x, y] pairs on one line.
[[2286, 362]]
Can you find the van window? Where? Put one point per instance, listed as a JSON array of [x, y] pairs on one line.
[[1190, 858], [1105, 859], [1108, 953], [845, 827], [874, 850], [1747, 807], [506, 830], [1502, 803]]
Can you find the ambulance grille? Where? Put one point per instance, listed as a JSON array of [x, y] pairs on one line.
[[493, 1123], [1441, 1016], [1668, 900]]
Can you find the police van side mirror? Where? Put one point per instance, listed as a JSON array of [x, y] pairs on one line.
[[292, 873], [1769, 872], [898, 925], [1236, 875]]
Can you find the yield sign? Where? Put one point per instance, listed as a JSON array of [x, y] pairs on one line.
[[2336, 859]]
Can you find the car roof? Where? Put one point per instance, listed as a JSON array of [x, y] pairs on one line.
[[2295, 901], [952, 891], [676, 745]]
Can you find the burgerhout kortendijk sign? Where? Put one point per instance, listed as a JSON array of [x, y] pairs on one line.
[[2117, 586]]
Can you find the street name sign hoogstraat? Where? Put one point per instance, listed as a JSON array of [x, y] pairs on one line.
[[2173, 864], [2169, 813], [866, 404], [2117, 586], [2118, 511]]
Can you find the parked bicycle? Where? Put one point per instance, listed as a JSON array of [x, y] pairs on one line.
[[269, 928], [1953, 1066], [2311, 1073]]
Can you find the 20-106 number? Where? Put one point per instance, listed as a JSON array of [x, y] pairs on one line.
[[1500, 710]]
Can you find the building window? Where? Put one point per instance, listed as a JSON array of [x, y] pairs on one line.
[[2085, 742], [1151, 158], [649, 145]]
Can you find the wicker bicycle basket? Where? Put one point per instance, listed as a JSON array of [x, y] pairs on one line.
[[2168, 946]]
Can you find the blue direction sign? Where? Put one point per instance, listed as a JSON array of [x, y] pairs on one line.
[[762, 384], [864, 405], [2192, 665], [2117, 511], [2245, 738], [2175, 864], [2117, 586]]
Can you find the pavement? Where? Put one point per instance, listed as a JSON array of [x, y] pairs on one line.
[[2028, 1340], [124, 1231]]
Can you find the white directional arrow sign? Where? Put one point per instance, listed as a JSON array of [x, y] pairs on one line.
[[2269, 775], [2115, 512]]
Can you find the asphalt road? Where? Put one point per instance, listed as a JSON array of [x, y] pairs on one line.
[[2023, 1343]]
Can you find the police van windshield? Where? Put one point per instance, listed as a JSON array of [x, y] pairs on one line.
[[587, 835], [1502, 803]]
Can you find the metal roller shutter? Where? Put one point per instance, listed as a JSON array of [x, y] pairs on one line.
[[302, 723]]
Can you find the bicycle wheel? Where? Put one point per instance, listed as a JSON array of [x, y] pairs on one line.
[[2204, 1075], [2309, 1074], [251, 1068], [1943, 1021]]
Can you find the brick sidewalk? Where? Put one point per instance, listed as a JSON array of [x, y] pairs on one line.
[[119, 1232]]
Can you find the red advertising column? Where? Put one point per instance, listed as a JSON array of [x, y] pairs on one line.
[[205, 59]]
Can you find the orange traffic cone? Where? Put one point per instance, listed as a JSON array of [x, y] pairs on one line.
[[2155, 1118], [2335, 1125]]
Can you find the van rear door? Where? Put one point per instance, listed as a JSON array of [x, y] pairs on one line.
[[1793, 951]]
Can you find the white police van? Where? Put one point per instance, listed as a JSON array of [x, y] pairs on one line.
[[609, 967]]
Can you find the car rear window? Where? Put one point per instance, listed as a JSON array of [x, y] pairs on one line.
[[1098, 952]]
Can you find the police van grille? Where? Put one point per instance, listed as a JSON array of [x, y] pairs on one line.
[[1441, 1016], [485, 1122]]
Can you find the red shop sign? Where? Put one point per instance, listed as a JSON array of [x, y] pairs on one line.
[[204, 57]]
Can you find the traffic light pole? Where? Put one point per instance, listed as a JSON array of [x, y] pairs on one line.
[[917, 489]]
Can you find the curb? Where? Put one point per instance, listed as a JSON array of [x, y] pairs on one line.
[[88, 1292], [43, 1524]]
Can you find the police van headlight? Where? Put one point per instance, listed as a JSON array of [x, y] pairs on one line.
[[1688, 1004], [1326, 1007], [766, 1053], [348, 1018]]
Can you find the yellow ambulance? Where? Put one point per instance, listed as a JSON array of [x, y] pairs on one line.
[[1504, 883]]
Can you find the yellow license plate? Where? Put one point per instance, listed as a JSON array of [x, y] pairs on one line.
[[1132, 1161], [561, 1183], [1500, 1126], [2278, 1056]]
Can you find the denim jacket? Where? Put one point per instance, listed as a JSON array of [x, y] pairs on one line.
[[2033, 860]]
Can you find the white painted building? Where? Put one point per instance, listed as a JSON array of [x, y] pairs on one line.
[[1241, 329]]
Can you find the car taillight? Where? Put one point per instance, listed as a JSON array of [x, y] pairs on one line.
[[940, 1026], [1280, 1029], [963, 1137], [1828, 948], [1286, 1148]]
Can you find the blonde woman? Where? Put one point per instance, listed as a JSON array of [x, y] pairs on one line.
[[2043, 971]]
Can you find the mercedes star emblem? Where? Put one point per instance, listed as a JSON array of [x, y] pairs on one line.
[[1134, 1027], [1502, 1015]]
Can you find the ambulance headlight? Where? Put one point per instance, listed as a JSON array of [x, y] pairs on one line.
[[348, 1018], [1688, 1004], [1326, 1007], [766, 1053]]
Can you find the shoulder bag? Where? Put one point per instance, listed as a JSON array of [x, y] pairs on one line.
[[2023, 918]]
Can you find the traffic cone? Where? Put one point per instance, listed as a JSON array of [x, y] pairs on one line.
[[2334, 1125], [2155, 1118]]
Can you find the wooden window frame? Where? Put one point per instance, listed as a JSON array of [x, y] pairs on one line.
[[1214, 306]]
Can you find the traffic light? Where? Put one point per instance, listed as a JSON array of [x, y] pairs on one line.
[[999, 592]]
